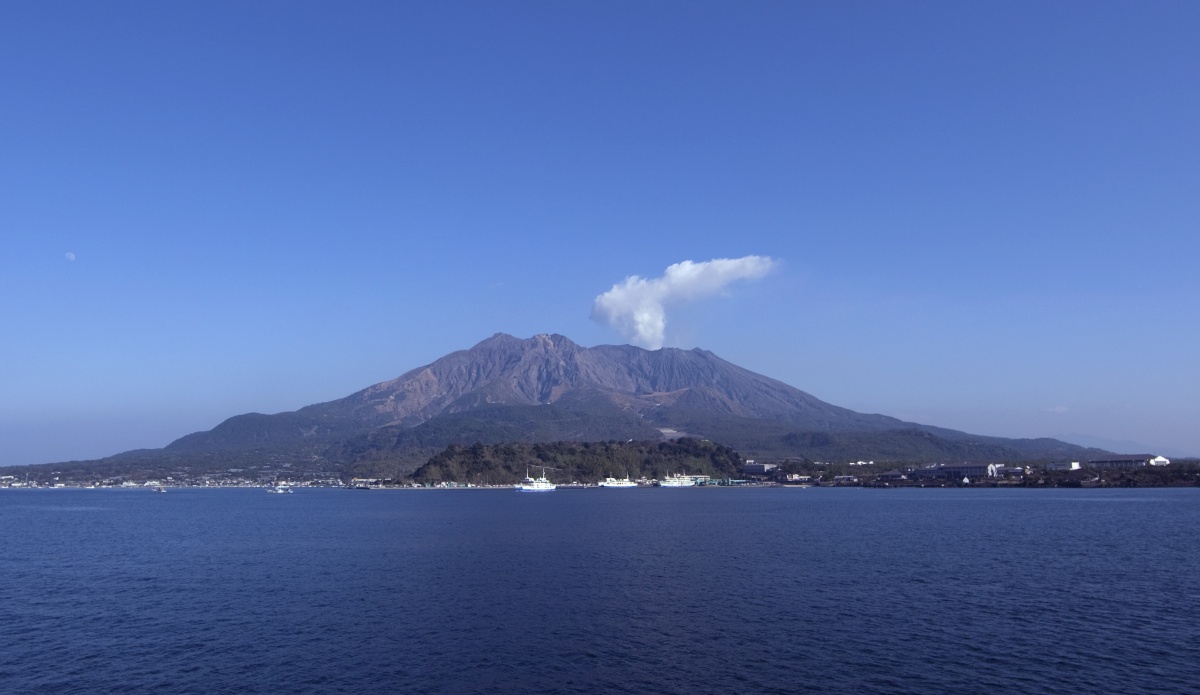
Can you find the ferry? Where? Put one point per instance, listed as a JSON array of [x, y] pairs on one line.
[[677, 481], [282, 489], [539, 484], [613, 482]]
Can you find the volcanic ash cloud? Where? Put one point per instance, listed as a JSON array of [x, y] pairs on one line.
[[637, 307]]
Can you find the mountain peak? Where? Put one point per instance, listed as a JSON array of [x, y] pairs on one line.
[[496, 339], [506, 340]]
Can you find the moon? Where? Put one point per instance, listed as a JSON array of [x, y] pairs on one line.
[[70, 256]]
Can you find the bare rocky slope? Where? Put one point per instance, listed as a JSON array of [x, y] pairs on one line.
[[545, 370]]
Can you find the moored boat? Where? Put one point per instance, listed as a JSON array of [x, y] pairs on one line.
[[613, 482], [539, 484], [677, 481]]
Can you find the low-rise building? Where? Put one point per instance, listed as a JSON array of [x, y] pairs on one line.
[[1132, 461]]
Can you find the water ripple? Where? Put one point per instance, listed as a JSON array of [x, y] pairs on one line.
[[763, 591]]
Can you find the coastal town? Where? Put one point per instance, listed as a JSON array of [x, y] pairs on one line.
[[1142, 470]]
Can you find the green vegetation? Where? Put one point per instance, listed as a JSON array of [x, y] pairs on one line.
[[907, 445], [765, 439], [587, 462], [1181, 473], [392, 452]]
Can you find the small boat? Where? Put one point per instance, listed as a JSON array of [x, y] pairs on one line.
[[677, 481], [613, 482], [159, 488], [281, 489]]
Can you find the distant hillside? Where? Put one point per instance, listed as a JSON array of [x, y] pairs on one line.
[[394, 450], [547, 388], [565, 462], [907, 442]]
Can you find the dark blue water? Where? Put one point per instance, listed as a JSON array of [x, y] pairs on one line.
[[600, 591]]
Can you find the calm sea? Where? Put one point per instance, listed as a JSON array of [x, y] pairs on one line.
[[600, 591]]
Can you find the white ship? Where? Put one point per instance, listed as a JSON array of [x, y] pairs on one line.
[[539, 484], [613, 482], [281, 489], [677, 481]]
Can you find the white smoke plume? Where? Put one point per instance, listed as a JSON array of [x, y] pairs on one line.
[[637, 307]]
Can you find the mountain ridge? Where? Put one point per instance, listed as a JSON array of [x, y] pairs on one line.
[[548, 388], [504, 370]]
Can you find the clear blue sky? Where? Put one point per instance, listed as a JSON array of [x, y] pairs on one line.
[[986, 216]]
